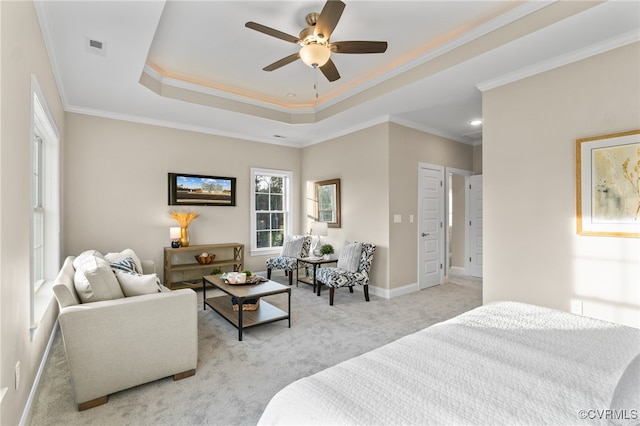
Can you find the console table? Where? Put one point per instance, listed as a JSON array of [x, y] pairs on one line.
[[181, 270]]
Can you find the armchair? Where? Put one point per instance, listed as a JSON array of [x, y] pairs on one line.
[[294, 246], [350, 271]]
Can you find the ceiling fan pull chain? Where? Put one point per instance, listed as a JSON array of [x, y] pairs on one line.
[[315, 79]]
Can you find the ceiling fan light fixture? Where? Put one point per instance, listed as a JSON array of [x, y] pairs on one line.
[[314, 55]]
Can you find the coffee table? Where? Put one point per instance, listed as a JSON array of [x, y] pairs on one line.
[[265, 313], [316, 262]]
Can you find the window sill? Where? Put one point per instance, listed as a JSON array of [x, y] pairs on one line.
[[266, 252], [41, 302]]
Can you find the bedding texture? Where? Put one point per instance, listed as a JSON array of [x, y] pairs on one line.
[[502, 363]]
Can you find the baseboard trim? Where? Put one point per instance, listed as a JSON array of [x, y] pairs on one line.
[[36, 382]]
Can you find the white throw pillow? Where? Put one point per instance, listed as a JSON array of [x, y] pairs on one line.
[[293, 246], [94, 280], [87, 253], [136, 285], [349, 258], [119, 257]]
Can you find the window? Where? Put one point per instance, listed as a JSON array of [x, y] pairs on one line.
[[271, 219], [45, 204], [328, 202]]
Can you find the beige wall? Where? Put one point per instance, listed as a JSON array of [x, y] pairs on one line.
[[360, 161], [407, 148], [116, 186], [458, 228], [531, 250], [477, 160], [23, 53]]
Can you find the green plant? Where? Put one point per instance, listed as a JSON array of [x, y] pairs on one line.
[[216, 271], [326, 249], [248, 272]]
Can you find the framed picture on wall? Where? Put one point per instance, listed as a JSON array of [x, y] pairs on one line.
[[608, 185], [201, 190]]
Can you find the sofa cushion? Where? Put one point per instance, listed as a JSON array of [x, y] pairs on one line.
[[137, 284], [119, 257], [126, 265], [349, 258], [94, 280], [87, 253]]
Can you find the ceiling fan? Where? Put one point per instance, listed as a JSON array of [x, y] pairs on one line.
[[316, 47]]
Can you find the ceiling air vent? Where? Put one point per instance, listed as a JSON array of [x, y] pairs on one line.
[[473, 136], [95, 47]]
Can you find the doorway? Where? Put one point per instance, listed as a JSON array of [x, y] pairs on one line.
[[463, 223]]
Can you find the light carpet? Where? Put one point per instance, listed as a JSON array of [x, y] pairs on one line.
[[235, 380]]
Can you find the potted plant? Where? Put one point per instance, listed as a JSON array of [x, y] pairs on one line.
[[326, 250]]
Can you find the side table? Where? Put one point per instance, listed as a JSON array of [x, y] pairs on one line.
[[315, 262]]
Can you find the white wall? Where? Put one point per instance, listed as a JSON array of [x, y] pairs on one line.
[[22, 54], [531, 250]]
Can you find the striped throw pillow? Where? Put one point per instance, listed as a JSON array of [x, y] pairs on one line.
[[349, 258]]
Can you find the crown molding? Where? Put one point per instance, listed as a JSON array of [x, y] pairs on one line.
[[175, 125], [559, 61]]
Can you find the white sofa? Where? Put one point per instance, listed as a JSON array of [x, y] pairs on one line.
[[112, 345]]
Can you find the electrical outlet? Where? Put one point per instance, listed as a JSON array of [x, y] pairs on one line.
[[17, 375], [576, 307]]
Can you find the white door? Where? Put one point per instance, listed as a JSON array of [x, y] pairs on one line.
[[475, 226], [430, 225]]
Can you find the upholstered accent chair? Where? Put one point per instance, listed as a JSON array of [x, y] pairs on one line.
[[294, 246], [354, 266]]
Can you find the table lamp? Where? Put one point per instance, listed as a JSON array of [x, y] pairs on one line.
[[319, 229], [174, 234]]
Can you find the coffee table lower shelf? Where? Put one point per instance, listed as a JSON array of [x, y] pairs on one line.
[[265, 313]]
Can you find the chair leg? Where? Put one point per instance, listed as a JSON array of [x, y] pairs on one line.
[[268, 273], [366, 292], [331, 291], [350, 289], [290, 277]]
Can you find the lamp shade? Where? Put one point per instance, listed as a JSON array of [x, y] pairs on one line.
[[174, 232], [320, 229], [314, 54]]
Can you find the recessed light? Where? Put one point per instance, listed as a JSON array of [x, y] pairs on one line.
[[475, 122], [279, 136], [291, 95]]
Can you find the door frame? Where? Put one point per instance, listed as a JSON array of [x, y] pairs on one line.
[[441, 170], [466, 174]]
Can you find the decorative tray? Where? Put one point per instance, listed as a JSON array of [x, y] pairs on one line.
[[253, 279]]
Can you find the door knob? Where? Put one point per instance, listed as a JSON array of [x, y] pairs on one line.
[[424, 235]]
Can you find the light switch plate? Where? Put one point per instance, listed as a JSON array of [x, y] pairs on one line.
[[397, 218]]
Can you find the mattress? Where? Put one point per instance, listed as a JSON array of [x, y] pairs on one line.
[[502, 363]]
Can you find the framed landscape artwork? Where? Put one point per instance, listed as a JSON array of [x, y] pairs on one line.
[[608, 185], [201, 190]]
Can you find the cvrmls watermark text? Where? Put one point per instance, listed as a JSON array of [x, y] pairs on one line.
[[608, 414]]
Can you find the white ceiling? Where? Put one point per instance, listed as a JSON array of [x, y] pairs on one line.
[[193, 65]]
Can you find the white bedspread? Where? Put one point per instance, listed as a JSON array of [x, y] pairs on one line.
[[503, 363]]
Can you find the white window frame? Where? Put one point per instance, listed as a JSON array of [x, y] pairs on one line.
[[44, 146], [288, 179]]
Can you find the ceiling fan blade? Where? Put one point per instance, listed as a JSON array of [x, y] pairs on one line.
[[330, 71], [282, 62], [328, 19], [359, 47], [270, 31]]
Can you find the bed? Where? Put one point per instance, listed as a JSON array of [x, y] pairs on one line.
[[502, 363]]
